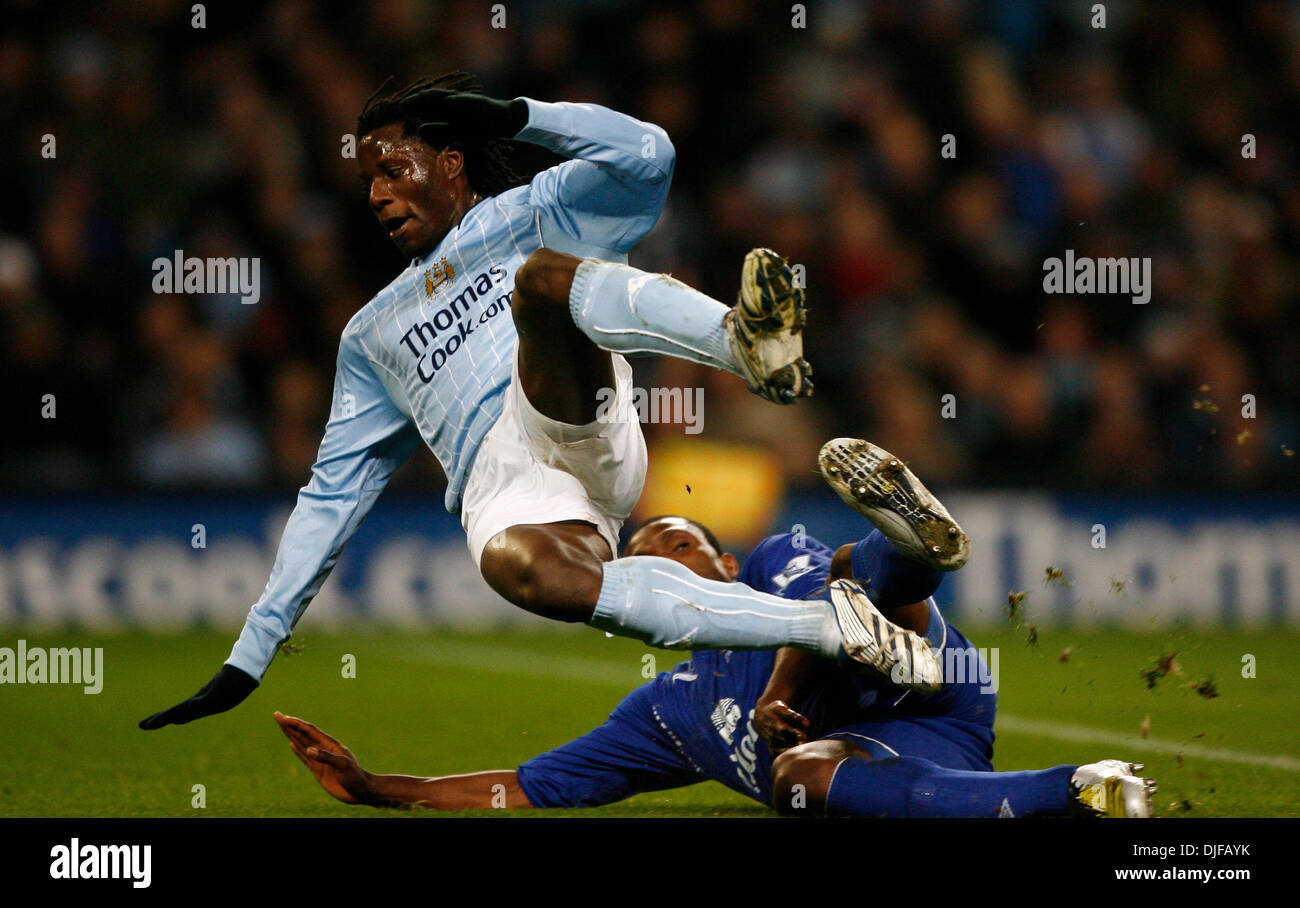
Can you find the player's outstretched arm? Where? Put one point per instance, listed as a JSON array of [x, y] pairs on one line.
[[339, 773], [366, 440], [227, 689]]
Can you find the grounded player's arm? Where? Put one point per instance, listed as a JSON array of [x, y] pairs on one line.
[[366, 439], [775, 719], [779, 724], [339, 773]]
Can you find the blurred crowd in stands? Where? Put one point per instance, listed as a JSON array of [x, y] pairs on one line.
[[924, 271]]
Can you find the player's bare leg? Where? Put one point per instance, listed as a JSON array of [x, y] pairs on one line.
[[568, 313], [801, 776], [562, 371], [555, 569]]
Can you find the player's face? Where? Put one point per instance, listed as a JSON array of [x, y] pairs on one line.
[[678, 539], [412, 188]]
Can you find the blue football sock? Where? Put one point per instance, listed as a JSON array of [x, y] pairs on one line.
[[913, 787], [664, 603], [629, 311], [889, 578]]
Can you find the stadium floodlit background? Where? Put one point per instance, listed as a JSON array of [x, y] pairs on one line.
[[1144, 450]]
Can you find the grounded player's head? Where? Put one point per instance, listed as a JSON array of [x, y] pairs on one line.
[[686, 541], [417, 190]]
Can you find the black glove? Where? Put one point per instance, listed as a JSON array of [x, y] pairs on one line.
[[466, 118], [226, 690]]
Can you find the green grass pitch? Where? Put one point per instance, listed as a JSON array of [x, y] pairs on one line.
[[440, 703]]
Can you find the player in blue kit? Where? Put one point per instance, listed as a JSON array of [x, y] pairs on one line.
[[493, 348], [844, 743]]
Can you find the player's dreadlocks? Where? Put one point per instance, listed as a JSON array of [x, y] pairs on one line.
[[491, 167]]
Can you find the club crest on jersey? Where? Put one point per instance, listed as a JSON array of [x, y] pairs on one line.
[[726, 716], [436, 338], [438, 275]]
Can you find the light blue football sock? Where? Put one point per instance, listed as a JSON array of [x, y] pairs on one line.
[[664, 603], [625, 310], [913, 787]]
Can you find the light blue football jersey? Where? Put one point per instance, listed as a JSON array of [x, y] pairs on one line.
[[430, 357]]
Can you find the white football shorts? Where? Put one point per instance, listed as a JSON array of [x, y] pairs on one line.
[[532, 469]]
